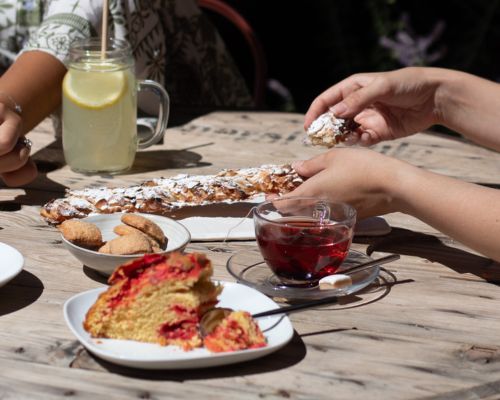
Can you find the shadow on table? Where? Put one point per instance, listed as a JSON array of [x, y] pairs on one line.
[[291, 354], [376, 291], [151, 160], [94, 275], [51, 158], [407, 242], [20, 292]]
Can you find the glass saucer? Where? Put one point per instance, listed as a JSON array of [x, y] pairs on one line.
[[249, 268]]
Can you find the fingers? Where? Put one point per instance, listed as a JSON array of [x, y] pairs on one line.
[[335, 94], [22, 176], [16, 158], [313, 187], [312, 166], [322, 104], [362, 98], [16, 168], [10, 129]]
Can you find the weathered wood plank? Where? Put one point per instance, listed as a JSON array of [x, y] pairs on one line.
[[430, 329]]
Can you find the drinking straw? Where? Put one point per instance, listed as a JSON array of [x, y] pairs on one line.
[[104, 34]]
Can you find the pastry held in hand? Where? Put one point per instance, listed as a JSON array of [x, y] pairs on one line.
[[161, 196], [327, 130]]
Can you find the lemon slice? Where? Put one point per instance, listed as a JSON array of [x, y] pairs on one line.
[[100, 87]]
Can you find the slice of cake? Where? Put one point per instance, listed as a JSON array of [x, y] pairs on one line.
[[157, 299], [237, 331]]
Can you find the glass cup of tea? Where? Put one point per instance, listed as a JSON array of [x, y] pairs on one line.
[[303, 239], [99, 108]]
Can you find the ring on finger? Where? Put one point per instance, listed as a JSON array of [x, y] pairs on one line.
[[24, 141]]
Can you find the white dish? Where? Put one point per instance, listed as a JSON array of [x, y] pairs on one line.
[[11, 263], [231, 228], [219, 228], [277, 329], [178, 237]]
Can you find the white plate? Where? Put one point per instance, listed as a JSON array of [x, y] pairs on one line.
[[277, 329], [11, 263], [219, 228], [232, 228]]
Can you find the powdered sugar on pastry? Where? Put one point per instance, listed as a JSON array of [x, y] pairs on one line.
[[162, 195], [327, 130]]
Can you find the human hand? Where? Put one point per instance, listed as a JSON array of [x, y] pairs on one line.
[[16, 167], [386, 105], [362, 178]]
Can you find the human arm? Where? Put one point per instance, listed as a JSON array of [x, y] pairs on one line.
[[376, 184], [34, 81], [398, 103]]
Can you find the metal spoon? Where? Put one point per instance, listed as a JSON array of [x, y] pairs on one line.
[[343, 278], [369, 264], [214, 316]]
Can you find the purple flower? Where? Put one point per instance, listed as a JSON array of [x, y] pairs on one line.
[[411, 49]]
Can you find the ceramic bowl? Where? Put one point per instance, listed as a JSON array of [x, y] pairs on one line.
[[178, 237]]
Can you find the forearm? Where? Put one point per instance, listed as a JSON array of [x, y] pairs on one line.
[[466, 212], [470, 105], [34, 81]]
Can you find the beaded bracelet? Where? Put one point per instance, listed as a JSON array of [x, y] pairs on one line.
[[16, 107]]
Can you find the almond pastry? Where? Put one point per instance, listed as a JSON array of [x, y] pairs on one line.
[[163, 195], [327, 130]]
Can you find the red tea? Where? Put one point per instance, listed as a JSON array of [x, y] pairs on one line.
[[302, 249]]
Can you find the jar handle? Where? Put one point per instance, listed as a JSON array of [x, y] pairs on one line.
[[163, 112]]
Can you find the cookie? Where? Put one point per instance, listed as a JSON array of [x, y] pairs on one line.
[[122, 230], [146, 226], [156, 249], [81, 233], [105, 248], [128, 244]]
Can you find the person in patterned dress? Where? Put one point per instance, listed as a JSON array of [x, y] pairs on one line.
[[172, 43]]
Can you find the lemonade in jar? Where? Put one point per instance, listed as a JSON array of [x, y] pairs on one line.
[[100, 108]]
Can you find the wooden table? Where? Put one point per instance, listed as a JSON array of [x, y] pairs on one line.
[[430, 331]]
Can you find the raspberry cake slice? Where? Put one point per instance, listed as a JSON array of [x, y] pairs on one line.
[[156, 299], [237, 331]]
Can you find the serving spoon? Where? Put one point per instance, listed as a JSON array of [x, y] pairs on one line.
[[214, 316]]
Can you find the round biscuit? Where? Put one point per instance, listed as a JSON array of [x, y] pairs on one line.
[[105, 248], [129, 244], [123, 230], [146, 226], [81, 233]]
